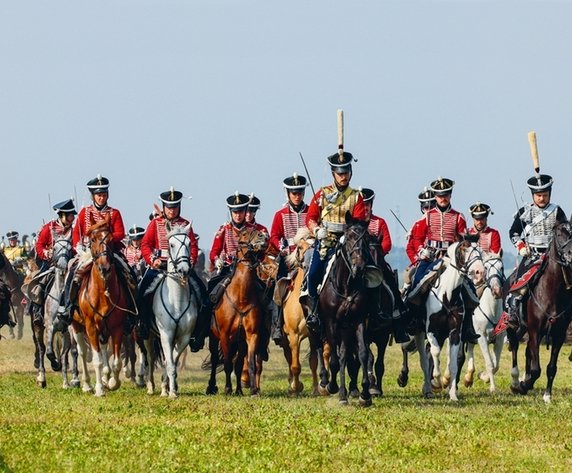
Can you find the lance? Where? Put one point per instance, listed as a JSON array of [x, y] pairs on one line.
[[398, 220]]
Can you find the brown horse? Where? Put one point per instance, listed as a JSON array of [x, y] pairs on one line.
[[239, 316], [294, 328], [104, 302], [548, 311]]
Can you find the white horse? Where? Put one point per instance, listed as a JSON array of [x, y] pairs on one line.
[[445, 311], [175, 307], [485, 318], [57, 345]]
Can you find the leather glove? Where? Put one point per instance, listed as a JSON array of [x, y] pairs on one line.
[[218, 264], [321, 233]]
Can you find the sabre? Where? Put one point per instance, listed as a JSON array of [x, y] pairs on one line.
[[307, 173], [398, 220]]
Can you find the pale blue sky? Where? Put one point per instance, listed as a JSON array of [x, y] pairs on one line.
[[218, 96]]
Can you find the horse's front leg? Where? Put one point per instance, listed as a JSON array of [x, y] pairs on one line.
[[213, 350], [341, 363], [551, 368], [454, 346], [435, 348], [148, 362], [533, 369], [252, 347], [514, 372], [169, 377], [488, 375], [363, 353], [116, 341], [82, 355], [38, 336], [403, 377], [469, 377]]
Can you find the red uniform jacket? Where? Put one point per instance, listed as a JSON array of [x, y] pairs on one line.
[[45, 241], [225, 242], [378, 228], [156, 245], [132, 255], [83, 224], [489, 240], [415, 240], [285, 226]]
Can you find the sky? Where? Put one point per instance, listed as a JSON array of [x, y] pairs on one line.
[[222, 95]]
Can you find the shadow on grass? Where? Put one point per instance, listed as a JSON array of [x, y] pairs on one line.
[[4, 466]]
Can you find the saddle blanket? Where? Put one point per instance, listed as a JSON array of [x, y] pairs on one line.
[[528, 276]]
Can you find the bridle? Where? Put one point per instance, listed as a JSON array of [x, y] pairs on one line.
[[182, 252]]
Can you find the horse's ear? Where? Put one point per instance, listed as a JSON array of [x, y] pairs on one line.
[[349, 218]]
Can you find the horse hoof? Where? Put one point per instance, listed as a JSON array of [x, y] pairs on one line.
[[332, 389], [468, 383], [56, 365], [41, 384], [375, 392], [75, 383], [173, 395], [402, 380], [212, 390], [113, 384], [445, 381], [323, 390], [140, 383], [354, 394], [364, 402], [429, 395], [87, 389], [343, 402]]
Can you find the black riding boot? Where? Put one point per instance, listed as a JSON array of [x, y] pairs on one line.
[[399, 332], [312, 319], [277, 324], [64, 315]]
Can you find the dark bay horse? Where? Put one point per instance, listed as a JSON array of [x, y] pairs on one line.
[[104, 303], [13, 280], [343, 305], [239, 317], [548, 311]]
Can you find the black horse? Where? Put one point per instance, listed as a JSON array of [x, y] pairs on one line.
[[548, 311], [343, 306]]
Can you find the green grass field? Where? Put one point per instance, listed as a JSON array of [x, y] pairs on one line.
[[55, 430]]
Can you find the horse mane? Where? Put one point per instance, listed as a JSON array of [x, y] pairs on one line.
[[176, 228], [98, 225], [302, 235]]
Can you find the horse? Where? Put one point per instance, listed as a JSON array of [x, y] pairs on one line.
[[58, 355], [239, 317], [485, 318], [13, 279], [343, 305], [175, 308], [104, 301], [445, 312], [294, 329], [547, 313]]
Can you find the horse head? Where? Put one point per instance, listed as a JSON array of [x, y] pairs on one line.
[[563, 243], [100, 245], [494, 274], [251, 242], [179, 249], [62, 251], [354, 243], [303, 241]]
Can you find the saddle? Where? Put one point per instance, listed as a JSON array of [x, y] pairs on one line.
[[530, 277], [417, 293], [283, 289]]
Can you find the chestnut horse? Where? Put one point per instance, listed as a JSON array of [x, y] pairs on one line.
[[547, 312], [104, 302], [239, 316], [294, 327]]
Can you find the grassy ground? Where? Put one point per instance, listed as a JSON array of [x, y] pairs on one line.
[[56, 430]]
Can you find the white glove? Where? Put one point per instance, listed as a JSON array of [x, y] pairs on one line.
[[425, 254], [524, 251], [321, 233], [49, 253], [219, 263]]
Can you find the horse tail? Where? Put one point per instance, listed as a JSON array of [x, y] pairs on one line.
[[158, 350]]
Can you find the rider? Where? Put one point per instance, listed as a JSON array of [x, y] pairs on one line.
[[44, 252], [441, 227], [132, 251], [15, 252], [253, 207], [285, 225], [154, 248], [79, 266], [530, 233], [489, 238], [326, 220], [377, 227]]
